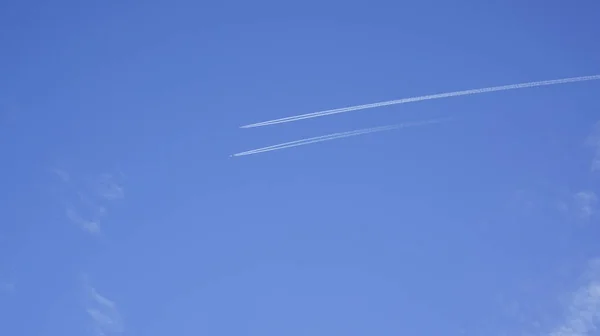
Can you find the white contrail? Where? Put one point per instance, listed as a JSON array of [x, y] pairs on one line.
[[319, 138], [421, 98], [308, 141], [334, 136]]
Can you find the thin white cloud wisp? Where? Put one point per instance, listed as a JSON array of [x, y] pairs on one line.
[[109, 188], [583, 311], [593, 141], [586, 203], [87, 205], [91, 226], [103, 312]]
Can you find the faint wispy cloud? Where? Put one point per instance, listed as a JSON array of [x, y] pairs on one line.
[[583, 310], [109, 189], [63, 175], [586, 203], [87, 206], [593, 141], [90, 226], [94, 207], [580, 206], [103, 312]]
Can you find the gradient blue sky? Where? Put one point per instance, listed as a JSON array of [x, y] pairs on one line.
[[121, 212]]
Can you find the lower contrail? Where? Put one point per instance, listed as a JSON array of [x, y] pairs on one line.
[[421, 98], [334, 136]]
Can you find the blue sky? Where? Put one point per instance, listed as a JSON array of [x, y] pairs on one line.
[[121, 212]]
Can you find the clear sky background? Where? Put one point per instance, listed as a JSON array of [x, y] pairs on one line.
[[121, 212]]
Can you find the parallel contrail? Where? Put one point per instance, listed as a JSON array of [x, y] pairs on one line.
[[340, 135], [322, 138], [421, 98]]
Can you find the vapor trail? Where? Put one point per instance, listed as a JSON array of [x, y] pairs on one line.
[[327, 136], [421, 98], [308, 141], [334, 136]]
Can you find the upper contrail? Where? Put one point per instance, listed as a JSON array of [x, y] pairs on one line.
[[333, 136], [421, 98]]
